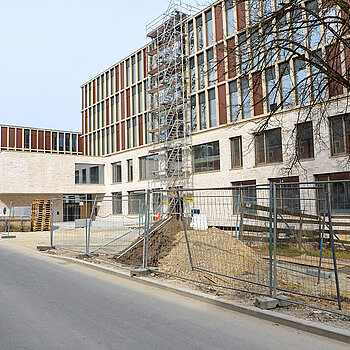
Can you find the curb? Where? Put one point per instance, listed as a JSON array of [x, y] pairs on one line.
[[285, 320]]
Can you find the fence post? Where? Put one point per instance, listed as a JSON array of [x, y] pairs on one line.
[[333, 247], [274, 241], [271, 231], [184, 227], [87, 228], [145, 236], [51, 222], [9, 220]]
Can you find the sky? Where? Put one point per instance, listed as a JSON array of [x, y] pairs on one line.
[[49, 48]]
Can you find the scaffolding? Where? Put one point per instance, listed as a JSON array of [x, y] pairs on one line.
[[169, 125]]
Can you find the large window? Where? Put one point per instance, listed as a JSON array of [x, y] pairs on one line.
[[234, 108], [244, 193], [230, 17], [286, 85], [117, 172], [117, 201], [94, 175], [271, 89], [192, 75], [89, 174], [190, 38], [53, 140], [209, 28], [245, 96], [194, 114], [211, 67], [236, 152], [206, 157], [305, 141], [314, 33], [268, 147], [199, 25], [300, 81], [130, 170], [202, 111], [200, 60], [212, 108], [136, 201], [287, 193], [340, 134], [149, 167]]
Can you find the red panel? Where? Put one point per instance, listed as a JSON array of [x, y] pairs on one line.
[[347, 61], [121, 76], [140, 130], [257, 94], [19, 138], [219, 26], [222, 104], [80, 144], [12, 140], [339, 176], [86, 146], [82, 123], [334, 61], [107, 112], [122, 105], [117, 135], [4, 136], [117, 79], [231, 58], [122, 125], [41, 139], [128, 103], [241, 19], [94, 91], [86, 123], [47, 140], [34, 139], [221, 62], [144, 63]]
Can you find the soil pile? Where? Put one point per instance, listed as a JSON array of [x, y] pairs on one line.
[[160, 243]]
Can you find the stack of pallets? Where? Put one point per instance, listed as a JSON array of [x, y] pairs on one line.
[[40, 215]]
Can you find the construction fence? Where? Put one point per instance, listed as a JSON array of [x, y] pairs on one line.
[[14, 218], [280, 238]]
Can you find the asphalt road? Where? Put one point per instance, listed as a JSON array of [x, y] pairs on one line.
[[46, 303]]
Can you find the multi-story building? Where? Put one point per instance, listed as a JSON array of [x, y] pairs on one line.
[[183, 110], [210, 99]]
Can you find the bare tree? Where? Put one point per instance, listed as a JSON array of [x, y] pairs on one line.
[[288, 54]]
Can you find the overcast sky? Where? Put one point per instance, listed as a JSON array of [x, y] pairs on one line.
[[50, 47]]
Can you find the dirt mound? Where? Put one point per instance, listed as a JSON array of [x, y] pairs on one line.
[[161, 242]]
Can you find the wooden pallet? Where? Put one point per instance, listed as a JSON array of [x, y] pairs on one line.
[[41, 212]]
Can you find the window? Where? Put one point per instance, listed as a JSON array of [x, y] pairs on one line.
[[286, 85], [236, 152], [340, 134], [245, 98], [313, 27], [107, 84], [268, 147], [134, 132], [53, 140], [194, 114], [117, 172], [234, 109], [102, 85], [209, 28], [76, 176], [139, 102], [127, 75], [192, 75], [244, 193], [206, 157], [103, 141], [305, 141], [128, 133], [339, 192], [212, 108], [83, 176], [199, 33], [133, 100], [331, 23], [200, 60], [136, 201], [317, 77], [191, 38], [271, 89], [117, 201], [243, 52], [254, 11], [211, 67], [61, 142], [113, 139], [112, 81], [117, 115], [130, 170], [139, 66], [112, 110], [149, 167], [74, 143], [300, 81], [98, 89], [94, 175], [202, 111], [230, 17], [287, 193], [133, 69], [296, 19]]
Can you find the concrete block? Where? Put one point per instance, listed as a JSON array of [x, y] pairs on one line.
[[84, 256], [43, 248], [8, 236], [266, 303], [283, 300], [323, 274], [139, 272], [80, 223]]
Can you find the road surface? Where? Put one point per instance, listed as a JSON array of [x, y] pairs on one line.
[[47, 303]]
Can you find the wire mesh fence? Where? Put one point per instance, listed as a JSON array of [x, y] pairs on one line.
[[279, 238], [14, 218]]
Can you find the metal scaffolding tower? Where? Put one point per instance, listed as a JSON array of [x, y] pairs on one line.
[[168, 98]]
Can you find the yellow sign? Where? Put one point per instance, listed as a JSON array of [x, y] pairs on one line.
[[165, 203], [189, 199]]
